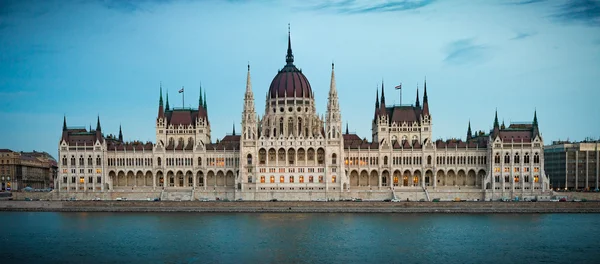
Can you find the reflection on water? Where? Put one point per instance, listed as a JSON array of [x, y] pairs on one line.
[[297, 238]]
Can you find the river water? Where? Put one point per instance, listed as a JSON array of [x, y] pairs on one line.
[[42, 237]]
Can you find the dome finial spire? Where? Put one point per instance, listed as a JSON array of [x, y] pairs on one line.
[[289, 58]]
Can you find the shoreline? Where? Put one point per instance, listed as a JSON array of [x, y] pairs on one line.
[[303, 207]]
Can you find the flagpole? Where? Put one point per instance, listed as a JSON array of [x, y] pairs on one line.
[[182, 97]]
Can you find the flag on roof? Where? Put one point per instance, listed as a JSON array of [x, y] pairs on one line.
[[398, 86], [181, 90]]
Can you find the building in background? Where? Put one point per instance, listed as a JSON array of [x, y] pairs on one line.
[[26, 169], [573, 165]]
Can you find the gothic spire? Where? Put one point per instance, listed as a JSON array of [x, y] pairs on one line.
[[377, 98], [418, 104], [249, 83], [160, 101], [233, 133], [535, 122], [200, 97], [347, 131], [332, 88], [98, 128], [469, 133], [382, 95], [425, 101], [167, 107], [121, 132], [496, 124], [205, 107], [289, 58], [65, 123]]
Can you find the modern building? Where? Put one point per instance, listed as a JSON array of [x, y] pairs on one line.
[[18, 170], [573, 165], [291, 152]]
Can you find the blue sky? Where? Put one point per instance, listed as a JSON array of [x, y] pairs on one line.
[[87, 58]]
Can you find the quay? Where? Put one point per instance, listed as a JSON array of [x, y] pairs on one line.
[[301, 207]]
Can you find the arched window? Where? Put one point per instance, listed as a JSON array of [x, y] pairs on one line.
[[64, 161], [428, 160], [506, 158], [272, 179], [272, 154], [310, 179], [497, 158], [281, 126], [291, 156], [290, 126], [292, 179], [334, 158], [333, 179], [199, 161], [321, 156], [159, 161], [281, 154], [301, 154], [262, 156], [90, 160], [526, 158], [262, 179], [249, 157], [98, 161], [311, 154], [301, 179], [320, 179], [281, 179], [299, 126], [517, 160], [536, 158], [385, 160]]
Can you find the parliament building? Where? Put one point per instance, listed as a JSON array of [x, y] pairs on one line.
[[293, 153]]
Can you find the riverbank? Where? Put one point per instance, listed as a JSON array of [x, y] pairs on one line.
[[302, 207]]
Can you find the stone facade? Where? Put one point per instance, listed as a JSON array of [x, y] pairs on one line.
[[293, 153], [18, 170]]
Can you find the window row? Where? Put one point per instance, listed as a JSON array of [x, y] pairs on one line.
[[130, 162], [292, 179], [517, 158], [90, 179], [82, 160], [517, 178]]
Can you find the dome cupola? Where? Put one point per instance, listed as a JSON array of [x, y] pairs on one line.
[[290, 82]]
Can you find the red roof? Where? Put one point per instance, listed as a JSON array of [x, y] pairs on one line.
[[290, 82]]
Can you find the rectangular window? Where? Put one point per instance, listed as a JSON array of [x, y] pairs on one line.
[[90, 179], [98, 179], [310, 179], [333, 179], [81, 180], [64, 179], [281, 179]]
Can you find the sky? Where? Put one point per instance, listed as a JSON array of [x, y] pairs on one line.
[[107, 58]]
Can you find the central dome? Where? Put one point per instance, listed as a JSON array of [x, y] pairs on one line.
[[289, 81]]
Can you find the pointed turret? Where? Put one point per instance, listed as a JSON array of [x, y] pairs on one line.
[[205, 106], [200, 102], [161, 110], [249, 116], [536, 130], [347, 131], [121, 132], [376, 99], [167, 107], [382, 96], [333, 119], [469, 133], [289, 58], [65, 123], [417, 103], [425, 101], [496, 130], [233, 132], [98, 128], [502, 126]]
